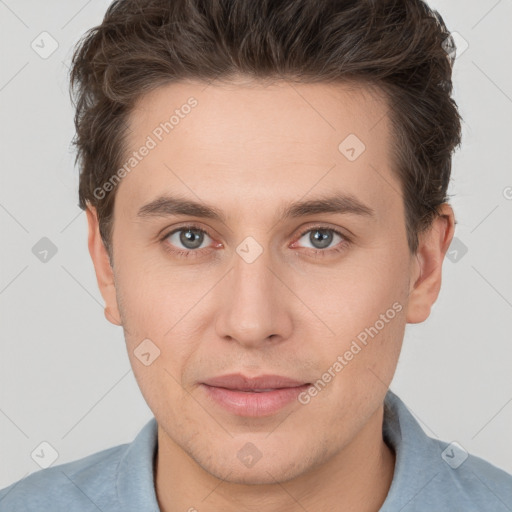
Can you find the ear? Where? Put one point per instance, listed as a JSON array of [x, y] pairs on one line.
[[104, 272], [427, 265]]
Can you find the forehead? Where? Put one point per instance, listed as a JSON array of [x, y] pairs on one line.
[[282, 110], [263, 142]]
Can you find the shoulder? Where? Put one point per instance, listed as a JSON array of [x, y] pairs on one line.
[[84, 484], [464, 478], [431, 474]]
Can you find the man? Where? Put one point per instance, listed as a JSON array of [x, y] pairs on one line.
[[265, 186]]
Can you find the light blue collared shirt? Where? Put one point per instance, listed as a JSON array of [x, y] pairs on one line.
[[430, 475]]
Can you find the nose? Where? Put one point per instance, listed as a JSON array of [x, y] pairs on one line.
[[253, 307]]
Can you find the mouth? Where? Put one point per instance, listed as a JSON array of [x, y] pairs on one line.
[[253, 396], [255, 390], [262, 383]]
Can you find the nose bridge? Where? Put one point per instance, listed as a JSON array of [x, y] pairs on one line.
[[253, 309]]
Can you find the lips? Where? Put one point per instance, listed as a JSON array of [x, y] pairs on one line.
[[260, 396], [262, 383]]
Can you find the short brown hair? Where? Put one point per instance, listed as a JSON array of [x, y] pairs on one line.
[[400, 46]]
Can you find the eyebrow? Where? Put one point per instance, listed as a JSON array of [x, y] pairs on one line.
[[167, 205]]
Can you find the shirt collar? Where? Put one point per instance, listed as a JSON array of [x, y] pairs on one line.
[[135, 486], [418, 456]]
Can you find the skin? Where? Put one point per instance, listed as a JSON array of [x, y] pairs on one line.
[[249, 149]]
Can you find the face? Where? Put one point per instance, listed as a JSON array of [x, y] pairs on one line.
[[319, 293]]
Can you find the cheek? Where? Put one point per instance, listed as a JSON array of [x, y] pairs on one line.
[[362, 311], [152, 295], [154, 308], [352, 295]]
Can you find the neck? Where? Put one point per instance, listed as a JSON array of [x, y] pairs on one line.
[[356, 478]]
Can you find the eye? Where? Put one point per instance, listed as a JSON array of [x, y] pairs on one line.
[[187, 239], [321, 239]]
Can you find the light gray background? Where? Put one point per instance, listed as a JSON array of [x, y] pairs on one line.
[[65, 377]]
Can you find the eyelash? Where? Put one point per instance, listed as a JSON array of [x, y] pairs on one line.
[[315, 252]]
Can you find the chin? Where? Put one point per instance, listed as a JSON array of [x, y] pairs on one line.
[[261, 473]]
